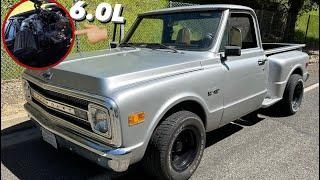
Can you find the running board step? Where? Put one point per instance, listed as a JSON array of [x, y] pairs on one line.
[[267, 102]]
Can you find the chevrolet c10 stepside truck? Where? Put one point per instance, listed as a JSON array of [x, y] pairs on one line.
[[178, 73]]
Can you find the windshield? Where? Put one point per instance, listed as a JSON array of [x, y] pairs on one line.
[[183, 31]]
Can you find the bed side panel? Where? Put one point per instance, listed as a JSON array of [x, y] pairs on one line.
[[281, 66]]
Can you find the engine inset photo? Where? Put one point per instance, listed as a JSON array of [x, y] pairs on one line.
[[38, 34]]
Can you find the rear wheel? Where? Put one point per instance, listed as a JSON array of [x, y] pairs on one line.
[[293, 94], [176, 147]]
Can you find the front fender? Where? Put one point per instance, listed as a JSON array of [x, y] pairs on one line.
[[157, 97], [175, 100]]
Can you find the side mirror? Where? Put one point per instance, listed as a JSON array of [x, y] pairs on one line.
[[232, 51], [235, 39], [113, 45]]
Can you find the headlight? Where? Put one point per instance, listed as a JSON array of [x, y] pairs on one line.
[[100, 120], [26, 89]]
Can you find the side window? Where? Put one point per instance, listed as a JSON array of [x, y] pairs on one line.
[[245, 23]]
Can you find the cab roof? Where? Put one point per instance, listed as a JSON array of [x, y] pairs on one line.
[[196, 8]]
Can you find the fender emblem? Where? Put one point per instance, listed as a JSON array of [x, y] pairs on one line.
[[210, 93]]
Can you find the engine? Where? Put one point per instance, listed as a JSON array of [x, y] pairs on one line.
[[41, 38]]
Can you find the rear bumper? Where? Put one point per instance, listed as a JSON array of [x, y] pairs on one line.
[[117, 159]]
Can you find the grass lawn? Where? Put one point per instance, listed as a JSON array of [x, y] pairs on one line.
[[313, 30]]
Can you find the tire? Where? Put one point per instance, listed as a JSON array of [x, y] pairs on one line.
[[293, 94], [181, 135]]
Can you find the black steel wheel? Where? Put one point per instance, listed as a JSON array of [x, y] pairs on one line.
[[297, 96], [293, 94], [184, 149], [176, 147]]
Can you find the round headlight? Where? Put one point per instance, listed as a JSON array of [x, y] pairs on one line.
[[101, 120]]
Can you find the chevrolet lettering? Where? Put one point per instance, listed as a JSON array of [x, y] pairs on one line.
[[52, 104]]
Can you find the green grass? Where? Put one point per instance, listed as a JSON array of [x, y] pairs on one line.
[[313, 29], [131, 9]]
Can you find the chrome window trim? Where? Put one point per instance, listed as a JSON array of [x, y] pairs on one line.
[[256, 26], [116, 139], [221, 29]]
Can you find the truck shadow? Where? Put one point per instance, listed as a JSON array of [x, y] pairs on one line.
[[273, 111], [35, 159], [225, 131]]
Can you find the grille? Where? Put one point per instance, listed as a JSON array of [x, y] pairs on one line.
[[73, 120], [69, 100], [83, 104]]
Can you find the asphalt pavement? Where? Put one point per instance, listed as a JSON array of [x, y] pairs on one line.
[[262, 145]]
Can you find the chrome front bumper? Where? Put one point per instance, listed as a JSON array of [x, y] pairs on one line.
[[117, 159]]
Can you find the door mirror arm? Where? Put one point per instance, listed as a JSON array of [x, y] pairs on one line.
[[223, 57]]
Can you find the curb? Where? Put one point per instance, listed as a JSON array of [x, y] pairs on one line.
[[12, 121], [13, 117]]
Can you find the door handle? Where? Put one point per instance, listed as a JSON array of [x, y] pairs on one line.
[[262, 62]]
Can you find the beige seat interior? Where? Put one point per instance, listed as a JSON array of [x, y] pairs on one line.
[[184, 36]]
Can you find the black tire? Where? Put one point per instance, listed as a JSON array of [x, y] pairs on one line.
[[293, 95], [161, 158]]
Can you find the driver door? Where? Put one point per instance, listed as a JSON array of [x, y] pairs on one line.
[[245, 79]]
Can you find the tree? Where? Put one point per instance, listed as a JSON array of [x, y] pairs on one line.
[[295, 7]]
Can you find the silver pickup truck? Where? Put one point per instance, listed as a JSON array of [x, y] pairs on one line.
[[178, 73]]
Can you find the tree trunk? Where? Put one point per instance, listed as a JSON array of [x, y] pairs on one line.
[[294, 8]]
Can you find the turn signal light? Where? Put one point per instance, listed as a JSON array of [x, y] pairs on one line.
[[135, 118]]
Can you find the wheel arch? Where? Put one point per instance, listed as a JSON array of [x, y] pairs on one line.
[[175, 104], [184, 102], [295, 70], [188, 105]]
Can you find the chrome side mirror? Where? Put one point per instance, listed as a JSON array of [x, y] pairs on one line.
[[232, 51]]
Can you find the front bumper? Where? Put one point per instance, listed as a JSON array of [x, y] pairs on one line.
[[117, 159]]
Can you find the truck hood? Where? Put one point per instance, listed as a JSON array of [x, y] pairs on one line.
[[104, 72]]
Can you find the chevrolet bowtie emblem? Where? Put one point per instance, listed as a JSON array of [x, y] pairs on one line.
[[47, 75]]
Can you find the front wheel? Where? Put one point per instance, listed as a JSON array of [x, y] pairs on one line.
[[293, 94], [176, 147]]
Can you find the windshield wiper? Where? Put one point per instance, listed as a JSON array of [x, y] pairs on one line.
[[152, 46]]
